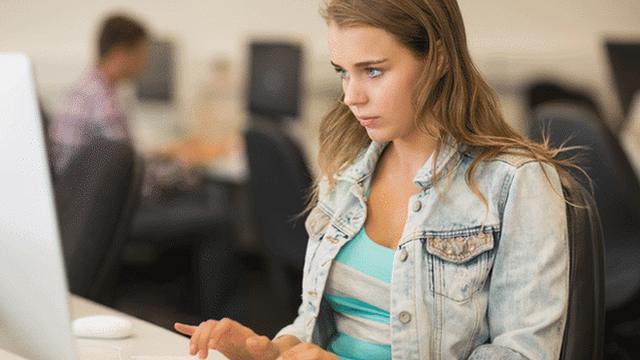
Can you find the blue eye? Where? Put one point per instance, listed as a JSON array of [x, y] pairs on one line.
[[373, 72], [342, 73]]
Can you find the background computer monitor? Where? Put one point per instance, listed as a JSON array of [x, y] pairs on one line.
[[34, 302], [156, 82], [275, 79], [624, 59]]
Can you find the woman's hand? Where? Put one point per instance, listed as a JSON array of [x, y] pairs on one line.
[[234, 340], [307, 351]]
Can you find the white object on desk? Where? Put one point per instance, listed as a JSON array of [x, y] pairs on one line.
[[148, 341], [4, 355], [102, 327]]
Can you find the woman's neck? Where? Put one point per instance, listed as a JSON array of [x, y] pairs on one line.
[[408, 155]]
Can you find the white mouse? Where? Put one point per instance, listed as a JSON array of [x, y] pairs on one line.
[[102, 327]]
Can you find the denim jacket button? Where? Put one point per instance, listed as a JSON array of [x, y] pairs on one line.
[[403, 255], [417, 205], [405, 317]]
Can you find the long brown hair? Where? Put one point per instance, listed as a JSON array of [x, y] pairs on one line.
[[464, 106]]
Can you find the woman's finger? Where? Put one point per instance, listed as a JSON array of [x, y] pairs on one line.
[[205, 335], [193, 346], [222, 328], [184, 328]]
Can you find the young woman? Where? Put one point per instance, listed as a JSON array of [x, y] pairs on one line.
[[436, 231]]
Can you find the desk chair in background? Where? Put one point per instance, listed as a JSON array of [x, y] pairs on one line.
[[584, 329], [279, 181], [188, 233], [96, 197]]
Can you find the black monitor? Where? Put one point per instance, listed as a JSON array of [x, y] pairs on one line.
[[275, 79], [624, 58], [156, 82]]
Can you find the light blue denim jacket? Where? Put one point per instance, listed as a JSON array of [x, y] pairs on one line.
[[466, 282]]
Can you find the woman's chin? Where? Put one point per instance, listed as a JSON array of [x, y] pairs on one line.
[[378, 136]]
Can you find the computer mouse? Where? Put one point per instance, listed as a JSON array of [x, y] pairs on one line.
[[102, 327]]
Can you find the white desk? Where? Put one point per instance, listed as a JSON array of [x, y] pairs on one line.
[[4, 355], [149, 342]]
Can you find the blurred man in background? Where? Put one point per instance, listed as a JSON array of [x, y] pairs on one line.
[[91, 107]]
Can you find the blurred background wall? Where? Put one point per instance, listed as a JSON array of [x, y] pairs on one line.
[[512, 42]]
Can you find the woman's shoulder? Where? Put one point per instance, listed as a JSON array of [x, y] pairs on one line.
[[512, 164], [511, 157]]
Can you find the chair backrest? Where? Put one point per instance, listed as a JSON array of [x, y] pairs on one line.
[[279, 181], [96, 196], [616, 189], [584, 329]]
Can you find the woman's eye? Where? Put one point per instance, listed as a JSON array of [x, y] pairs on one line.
[[342, 73], [374, 72]]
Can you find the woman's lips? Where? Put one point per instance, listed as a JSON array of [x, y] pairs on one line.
[[367, 121]]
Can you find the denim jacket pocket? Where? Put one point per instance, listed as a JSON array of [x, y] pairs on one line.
[[460, 261], [316, 225]]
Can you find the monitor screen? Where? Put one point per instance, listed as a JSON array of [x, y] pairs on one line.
[[34, 309], [624, 59], [275, 79], [156, 82]]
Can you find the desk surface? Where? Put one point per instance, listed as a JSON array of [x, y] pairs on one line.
[[149, 342]]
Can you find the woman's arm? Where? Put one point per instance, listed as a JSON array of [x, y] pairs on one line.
[[528, 294]]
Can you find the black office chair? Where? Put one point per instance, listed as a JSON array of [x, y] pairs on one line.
[[192, 229], [584, 329], [279, 181], [96, 196]]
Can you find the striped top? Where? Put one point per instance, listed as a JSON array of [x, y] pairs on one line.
[[358, 291]]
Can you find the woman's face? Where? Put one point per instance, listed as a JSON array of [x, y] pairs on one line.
[[378, 79]]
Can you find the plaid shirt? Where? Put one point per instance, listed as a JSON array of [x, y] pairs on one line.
[[90, 110]]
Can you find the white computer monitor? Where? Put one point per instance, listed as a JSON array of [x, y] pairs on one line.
[[34, 301]]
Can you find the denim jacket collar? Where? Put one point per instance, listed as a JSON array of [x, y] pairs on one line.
[[365, 163]]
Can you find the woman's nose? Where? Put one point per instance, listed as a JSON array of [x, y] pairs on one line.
[[354, 93]]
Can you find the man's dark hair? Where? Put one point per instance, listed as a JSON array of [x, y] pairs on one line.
[[119, 30]]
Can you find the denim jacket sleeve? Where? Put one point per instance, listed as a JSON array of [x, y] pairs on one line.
[[297, 328], [300, 327], [316, 224], [528, 294]]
